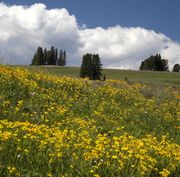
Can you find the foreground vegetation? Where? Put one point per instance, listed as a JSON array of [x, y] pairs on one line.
[[62, 126]]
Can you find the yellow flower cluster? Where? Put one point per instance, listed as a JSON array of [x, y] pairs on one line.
[[60, 126]]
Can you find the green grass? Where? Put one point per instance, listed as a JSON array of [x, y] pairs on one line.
[[144, 76], [116, 74], [60, 126], [55, 70]]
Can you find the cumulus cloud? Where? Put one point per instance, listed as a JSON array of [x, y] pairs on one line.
[[122, 47], [23, 29]]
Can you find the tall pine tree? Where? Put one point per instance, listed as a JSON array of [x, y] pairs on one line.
[[38, 58], [91, 67], [64, 59], [96, 68], [45, 56], [56, 56], [60, 60]]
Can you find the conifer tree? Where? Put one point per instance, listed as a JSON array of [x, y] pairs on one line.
[[52, 56], [60, 60], [85, 66], [176, 68], [154, 63], [38, 57], [48, 56], [34, 59], [164, 65], [56, 56], [96, 68], [64, 59], [91, 67], [45, 56]]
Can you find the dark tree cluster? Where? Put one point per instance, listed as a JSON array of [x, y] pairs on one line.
[[154, 63], [176, 68], [49, 57], [91, 67]]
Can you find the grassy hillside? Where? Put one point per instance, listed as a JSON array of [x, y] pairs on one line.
[[139, 76], [62, 126]]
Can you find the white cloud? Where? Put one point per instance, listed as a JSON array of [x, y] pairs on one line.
[[122, 47], [23, 29]]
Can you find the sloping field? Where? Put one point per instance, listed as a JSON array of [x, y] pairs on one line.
[[60, 126], [138, 76]]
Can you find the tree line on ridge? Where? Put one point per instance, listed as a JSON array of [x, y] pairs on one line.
[[91, 66]]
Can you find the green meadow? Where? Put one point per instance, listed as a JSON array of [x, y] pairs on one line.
[[117, 74], [52, 125]]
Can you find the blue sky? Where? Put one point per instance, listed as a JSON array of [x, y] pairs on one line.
[[159, 15], [122, 32]]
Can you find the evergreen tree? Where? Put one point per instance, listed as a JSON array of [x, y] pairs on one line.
[[164, 65], [45, 56], [176, 68], [91, 67], [52, 56], [64, 59], [48, 56], [142, 67], [38, 57], [60, 60], [56, 56], [158, 64], [33, 60], [154, 63], [86, 66], [96, 68]]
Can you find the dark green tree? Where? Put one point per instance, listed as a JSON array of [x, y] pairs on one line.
[[60, 59], [52, 56], [48, 55], [86, 66], [33, 60], [38, 58], [45, 56], [176, 68], [154, 63], [157, 62], [91, 67], [164, 65], [64, 59], [96, 68], [56, 56]]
